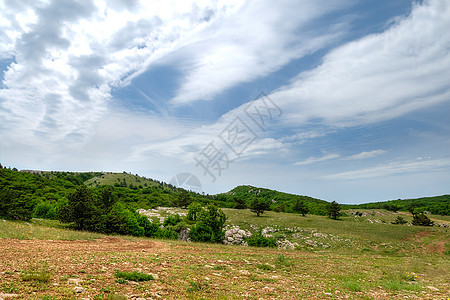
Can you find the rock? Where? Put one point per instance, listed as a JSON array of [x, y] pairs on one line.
[[79, 289], [244, 272], [432, 288], [328, 294], [73, 281], [184, 235], [3, 295]]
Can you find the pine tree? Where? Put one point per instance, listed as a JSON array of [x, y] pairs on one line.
[[334, 210]]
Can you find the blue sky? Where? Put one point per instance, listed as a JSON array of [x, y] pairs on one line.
[[339, 100]]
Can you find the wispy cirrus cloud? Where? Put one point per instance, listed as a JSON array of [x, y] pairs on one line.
[[393, 168], [226, 55], [377, 77], [366, 154], [313, 160]]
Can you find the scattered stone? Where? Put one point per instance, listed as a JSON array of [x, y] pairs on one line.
[[286, 245], [3, 295], [432, 288], [79, 289], [75, 281], [244, 272], [234, 235], [328, 294]]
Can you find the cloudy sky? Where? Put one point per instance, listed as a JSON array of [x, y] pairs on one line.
[[340, 100]]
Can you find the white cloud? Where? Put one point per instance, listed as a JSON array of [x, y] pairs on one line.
[[68, 55], [313, 160], [393, 168], [366, 154], [379, 76], [258, 39]]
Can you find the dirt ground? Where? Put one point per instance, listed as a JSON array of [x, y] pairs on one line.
[[81, 260], [184, 271]]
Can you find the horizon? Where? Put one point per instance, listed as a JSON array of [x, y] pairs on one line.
[[345, 101]]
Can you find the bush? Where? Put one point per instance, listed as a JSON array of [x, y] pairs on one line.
[[193, 210], [201, 233], [215, 219], [167, 234], [133, 276], [44, 210], [421, 220], [172, 220], [258, 240], [400, 221]]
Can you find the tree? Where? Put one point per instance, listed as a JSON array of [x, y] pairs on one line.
[[79, 209], [183, 199], [209, 227], [239, 203], [334, 210], [14, 206], [194, 209], [391, 207], [421, 220], [300, 207], [259, 206]]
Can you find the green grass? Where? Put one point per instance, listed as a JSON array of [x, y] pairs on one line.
[[36, 272], [39, 229], [109, 178], [352, 285], [359, 230]]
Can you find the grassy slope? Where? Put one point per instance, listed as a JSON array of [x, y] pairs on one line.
[[382, 261], [109, 178]]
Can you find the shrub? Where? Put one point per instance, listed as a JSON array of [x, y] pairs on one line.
[[172, 220], [167, 234], [44, 210], [215, 219], [400, 221], [133, 276], [201, 233], [258, 240], [193, 210], [421, 220]]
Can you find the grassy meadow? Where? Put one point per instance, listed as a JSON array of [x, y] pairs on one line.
[[354, 257]]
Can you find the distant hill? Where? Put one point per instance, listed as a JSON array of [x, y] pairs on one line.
[[438, 205], [280, 201]]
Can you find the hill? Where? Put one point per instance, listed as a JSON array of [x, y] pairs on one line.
[[439, 205], [279, 201]]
